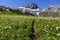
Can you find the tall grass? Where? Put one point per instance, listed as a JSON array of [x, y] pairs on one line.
[[19, 28]]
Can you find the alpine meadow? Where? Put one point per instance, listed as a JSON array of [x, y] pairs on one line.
[[30, 21]]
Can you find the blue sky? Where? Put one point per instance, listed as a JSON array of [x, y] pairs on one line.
[[40, 3]]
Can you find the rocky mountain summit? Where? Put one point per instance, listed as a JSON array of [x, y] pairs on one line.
[[31, 6]]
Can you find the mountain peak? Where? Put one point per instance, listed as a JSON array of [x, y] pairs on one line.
[[32, 6]]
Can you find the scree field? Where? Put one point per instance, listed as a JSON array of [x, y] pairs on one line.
[[19, 27]]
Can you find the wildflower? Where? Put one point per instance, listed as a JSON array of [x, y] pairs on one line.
[[57, 28], [58, 34]]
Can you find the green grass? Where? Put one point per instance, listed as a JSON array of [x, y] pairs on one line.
[[3, 13], [15, 28], [18, 27]]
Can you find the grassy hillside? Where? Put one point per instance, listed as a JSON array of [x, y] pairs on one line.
[[19, 28], [15, 12]]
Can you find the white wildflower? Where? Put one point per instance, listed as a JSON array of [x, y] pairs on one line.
[[57, 28], [47, 25], [58, 34]]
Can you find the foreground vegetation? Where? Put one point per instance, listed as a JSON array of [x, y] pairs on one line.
[[19, 28]]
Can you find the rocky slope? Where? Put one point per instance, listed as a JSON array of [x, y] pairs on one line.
[[31, 8], [55, 8]]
